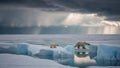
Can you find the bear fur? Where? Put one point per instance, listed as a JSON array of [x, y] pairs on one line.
[[81, 44], [54, 45]]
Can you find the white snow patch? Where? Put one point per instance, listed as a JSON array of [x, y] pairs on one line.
[[103, 67], [20, 61]]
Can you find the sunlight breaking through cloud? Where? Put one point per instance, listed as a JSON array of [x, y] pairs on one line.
[[43, 22], [87, 20]]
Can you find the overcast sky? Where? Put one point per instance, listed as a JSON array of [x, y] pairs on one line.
[[19, 13]]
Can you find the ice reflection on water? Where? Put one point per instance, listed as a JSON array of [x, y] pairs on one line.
[[83, 59]]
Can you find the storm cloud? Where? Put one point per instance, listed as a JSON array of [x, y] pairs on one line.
[[109, 8], [59, 16]]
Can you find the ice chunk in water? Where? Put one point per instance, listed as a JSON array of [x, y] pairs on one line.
[[70, 48], [45, 54], [108, 52], [22, 49], [18, 48], [92, 51], [51, 53]]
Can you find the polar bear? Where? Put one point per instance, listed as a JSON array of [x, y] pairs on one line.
[[54, 45], [81, 44]]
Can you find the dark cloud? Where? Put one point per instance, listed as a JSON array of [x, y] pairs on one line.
[[109, 8], [20, 17], [17, 17]]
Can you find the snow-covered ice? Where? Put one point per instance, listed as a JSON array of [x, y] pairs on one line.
[[40, 51], [63, 55], [30, 49], [103, 67], [20, 61]]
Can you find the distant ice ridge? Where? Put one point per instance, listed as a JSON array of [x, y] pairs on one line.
[[20, 61]]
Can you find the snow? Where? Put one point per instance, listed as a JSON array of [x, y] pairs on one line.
[[103, 67], [20, 61]]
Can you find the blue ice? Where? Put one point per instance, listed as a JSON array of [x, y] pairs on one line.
[[70, 48], [92, 51], [22, 49], [107, 52]]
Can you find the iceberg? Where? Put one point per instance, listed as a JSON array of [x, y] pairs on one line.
[[8, 48], [92, 51], [63, 55], [107, 52], [52, 53], [45, 54], [12, 48], [70, 48], [22, 49], [59, 54], [108, 55], [32, 50]]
